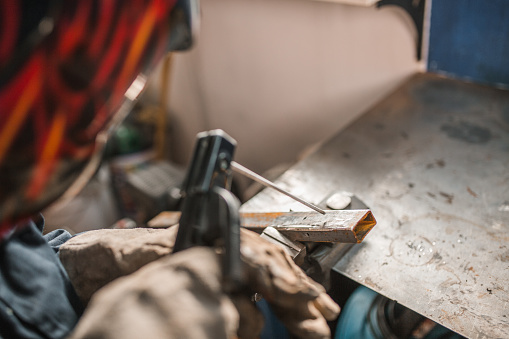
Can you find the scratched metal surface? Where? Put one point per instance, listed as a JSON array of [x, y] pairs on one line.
[[432, 162]]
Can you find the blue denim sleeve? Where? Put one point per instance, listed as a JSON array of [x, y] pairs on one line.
[[37, 299], [57, 238]]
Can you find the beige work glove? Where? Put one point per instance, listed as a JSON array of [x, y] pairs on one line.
[[187, 286], [95, 258], [299, 302], [177, 296]]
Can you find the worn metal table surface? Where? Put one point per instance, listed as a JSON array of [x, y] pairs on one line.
[[432, 162]]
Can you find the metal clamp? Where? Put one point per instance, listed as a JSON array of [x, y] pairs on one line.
[[210, 212]]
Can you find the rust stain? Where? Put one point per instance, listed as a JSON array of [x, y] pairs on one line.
[[504, 257], [258, 219], [445, 315], [472, 193], [440, 163], [448, 197]]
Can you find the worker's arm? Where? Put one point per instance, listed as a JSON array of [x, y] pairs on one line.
[[181, 295]]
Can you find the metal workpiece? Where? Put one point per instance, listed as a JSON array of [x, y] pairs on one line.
[[432, 162], [336, 226], [349, 226]]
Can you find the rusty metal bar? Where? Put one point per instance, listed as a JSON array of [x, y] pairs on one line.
[[347, 226]]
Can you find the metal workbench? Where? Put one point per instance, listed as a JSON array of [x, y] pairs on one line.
[[432, 162]]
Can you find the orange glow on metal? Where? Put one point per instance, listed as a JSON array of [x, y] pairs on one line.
[[258, 219]]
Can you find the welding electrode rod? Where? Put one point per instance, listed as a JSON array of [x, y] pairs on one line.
[[258, 178]]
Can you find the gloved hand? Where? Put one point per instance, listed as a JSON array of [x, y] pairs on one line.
[[187, 284], [298, 301], [177, 296], [95, 258]]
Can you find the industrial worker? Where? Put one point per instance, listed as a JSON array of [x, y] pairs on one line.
[[67, 70]]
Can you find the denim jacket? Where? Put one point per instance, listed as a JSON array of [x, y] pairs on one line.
[[37, 299]]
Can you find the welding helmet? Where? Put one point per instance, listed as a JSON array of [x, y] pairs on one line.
[[68, 72]]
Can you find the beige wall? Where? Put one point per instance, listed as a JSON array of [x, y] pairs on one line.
[[279, 75]]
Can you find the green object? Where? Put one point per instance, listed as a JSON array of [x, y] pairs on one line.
[[127, 139]]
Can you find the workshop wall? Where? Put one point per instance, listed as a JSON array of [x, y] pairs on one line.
[[469, 40], [279, 75]]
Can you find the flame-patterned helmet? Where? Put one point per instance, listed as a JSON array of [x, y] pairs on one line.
[[65, 67]]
